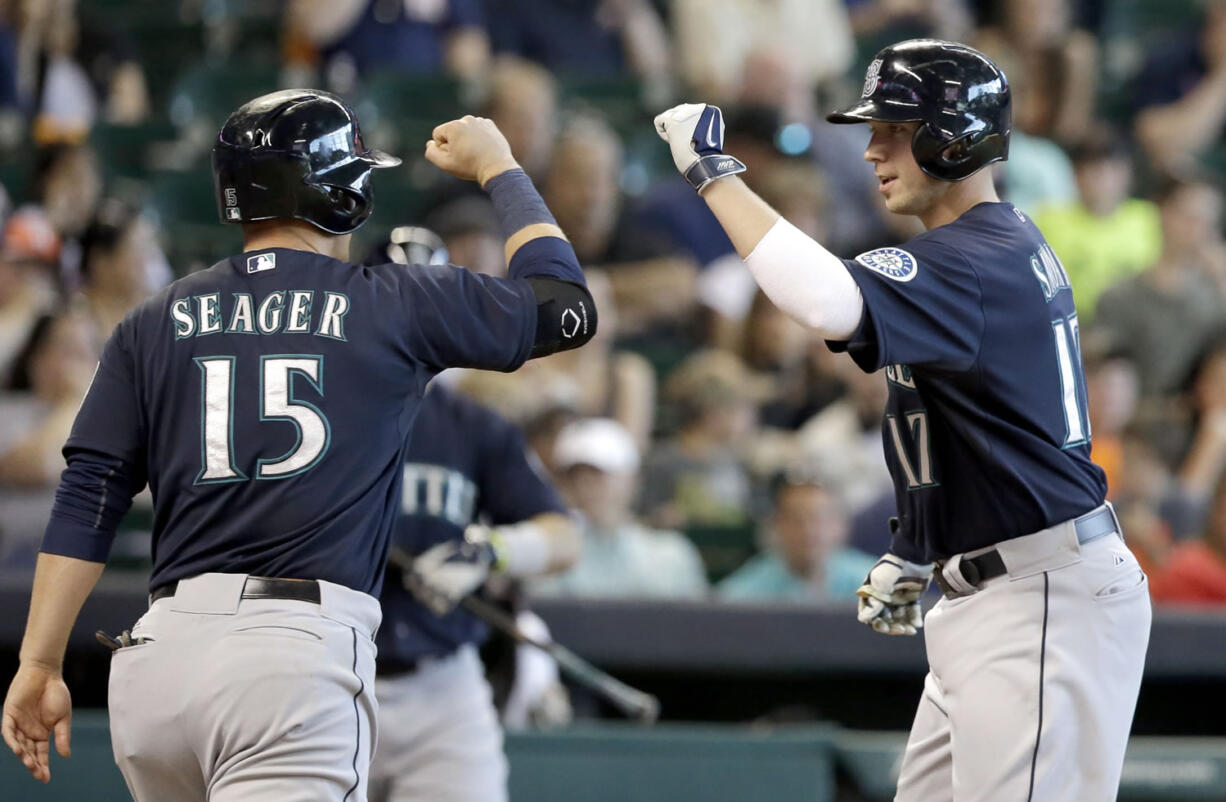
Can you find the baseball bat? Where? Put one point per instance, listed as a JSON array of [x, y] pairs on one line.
[[634, 703]]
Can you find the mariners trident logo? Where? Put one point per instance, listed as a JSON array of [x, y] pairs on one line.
[[870, 78]]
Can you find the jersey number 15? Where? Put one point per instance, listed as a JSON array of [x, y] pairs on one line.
[[1072, 381], [277, 402]]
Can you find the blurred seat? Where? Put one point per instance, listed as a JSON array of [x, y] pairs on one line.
[[206, 94], [723, 548], [123, 150], [399, 111]]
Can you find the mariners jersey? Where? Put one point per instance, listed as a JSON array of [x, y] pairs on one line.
[[986, 428], [467, 465], [268, 399]]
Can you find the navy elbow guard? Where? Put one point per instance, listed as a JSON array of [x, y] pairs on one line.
[[565, 316]]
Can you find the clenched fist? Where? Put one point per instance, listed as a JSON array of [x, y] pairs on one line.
[[471, 148]]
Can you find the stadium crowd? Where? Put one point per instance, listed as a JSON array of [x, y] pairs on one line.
[[715, 448]]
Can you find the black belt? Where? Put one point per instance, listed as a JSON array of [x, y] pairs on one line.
[[989, 565], [393, 667], [259, 587]]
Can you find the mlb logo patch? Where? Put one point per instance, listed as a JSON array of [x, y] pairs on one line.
[[893, 263], [261, 261], [232, 213]]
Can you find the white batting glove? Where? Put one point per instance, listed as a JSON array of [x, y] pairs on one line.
[[695, 135], [890, 596], [443, 575]]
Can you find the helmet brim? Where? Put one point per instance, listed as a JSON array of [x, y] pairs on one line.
[[379, 159], [869, 109]]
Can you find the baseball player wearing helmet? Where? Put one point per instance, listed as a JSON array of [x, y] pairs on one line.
[[472, 505], [1037, 646], [266, 402]]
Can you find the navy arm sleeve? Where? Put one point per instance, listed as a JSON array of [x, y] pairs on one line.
[[106, 461], [511, 489], [463, 319], [458, 318], [922, 306]]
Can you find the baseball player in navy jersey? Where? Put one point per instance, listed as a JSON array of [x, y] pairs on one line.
[[472, 504], [1037, 646], [266, 402]]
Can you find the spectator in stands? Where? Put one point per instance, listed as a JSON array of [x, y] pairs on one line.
[[715, 38], [29, 254], [604, 382], [1038, 172], [805, 556], [68, 186], [470, 229], [1039, 39], [844, 439], [1203, 466], [593, 38], [776, 345], [598, 471], [1163, 317], [653, 286], [121, 265], [698, 477], [1180, 94], [1108, 235], [362, 36], [892, 20], [1147, 499], [1195, 572], [523, 101], [55, 365], [1113, 388]]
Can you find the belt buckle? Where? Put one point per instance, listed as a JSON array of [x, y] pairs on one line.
[[967, 572]]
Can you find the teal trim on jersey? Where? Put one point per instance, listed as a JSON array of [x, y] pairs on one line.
[[292, 401], [181, 334], [328, 295], [230, 329], [278, 310], [916, 425], [206, 327], [291, 326], [1073, 331], [239, 476]]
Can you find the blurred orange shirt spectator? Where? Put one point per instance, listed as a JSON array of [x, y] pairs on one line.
[[1195, 573]]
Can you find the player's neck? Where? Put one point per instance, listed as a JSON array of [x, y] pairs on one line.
[[960, 198], [295, 235]]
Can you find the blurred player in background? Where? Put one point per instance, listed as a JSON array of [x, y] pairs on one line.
[[1036, 650], [471, 504]]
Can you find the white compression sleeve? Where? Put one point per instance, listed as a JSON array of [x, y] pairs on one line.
[[807, 281]]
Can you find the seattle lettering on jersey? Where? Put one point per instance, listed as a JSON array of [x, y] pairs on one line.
[[438, 492], [279, 312]]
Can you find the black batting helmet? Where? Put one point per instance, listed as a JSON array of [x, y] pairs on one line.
[[957, 94], [295, 154]]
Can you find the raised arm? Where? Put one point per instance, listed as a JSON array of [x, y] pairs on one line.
[[802, 278], [537, 251]]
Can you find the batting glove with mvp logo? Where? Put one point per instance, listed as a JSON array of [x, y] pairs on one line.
[[890, 596], [695, 135]]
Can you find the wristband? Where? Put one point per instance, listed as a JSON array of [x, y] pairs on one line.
[[516, 201], [523, 549], [708, 168]]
